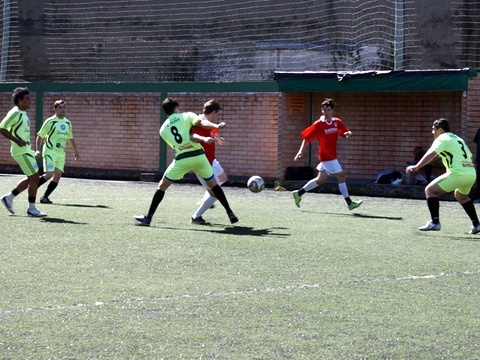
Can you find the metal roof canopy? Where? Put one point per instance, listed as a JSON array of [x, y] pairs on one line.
[[375, 81]]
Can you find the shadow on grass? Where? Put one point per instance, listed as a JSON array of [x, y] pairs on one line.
[[467, 237], [84, 206], [377, 217], [237, 230], [364, 216], [435, 235], [250, 231], [61, 221]]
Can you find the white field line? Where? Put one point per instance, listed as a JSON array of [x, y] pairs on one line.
[[240, 292]]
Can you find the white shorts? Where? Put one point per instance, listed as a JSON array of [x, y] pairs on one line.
[[331, 167], [217, 171]]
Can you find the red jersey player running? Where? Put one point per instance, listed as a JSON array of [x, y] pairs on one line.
[[211, 111], [326, 131]]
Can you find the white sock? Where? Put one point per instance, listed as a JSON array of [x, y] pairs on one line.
[[205, 196], [343, 189], [205, 206], [31, 206], [312, 184]]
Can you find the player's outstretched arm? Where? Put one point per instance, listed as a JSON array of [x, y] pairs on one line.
[[299, 154], [425, 160], [9, 136], [201, 139], [38, 146], [209, 125], [74, 147]]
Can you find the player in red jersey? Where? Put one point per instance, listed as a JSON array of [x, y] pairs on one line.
[[211, 111], [326, 131]]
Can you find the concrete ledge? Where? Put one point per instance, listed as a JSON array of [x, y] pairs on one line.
[[356, 187], [84, 173], [366, 188]]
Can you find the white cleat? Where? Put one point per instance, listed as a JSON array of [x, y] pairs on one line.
[[35, 212], [8, 203], [474, 229], [430, 226]]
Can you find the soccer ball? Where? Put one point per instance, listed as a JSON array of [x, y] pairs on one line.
[[256, 184]]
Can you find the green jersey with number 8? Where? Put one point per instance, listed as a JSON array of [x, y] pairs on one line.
[[176, 132]]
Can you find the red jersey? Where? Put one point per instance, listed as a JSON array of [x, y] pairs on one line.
[[327, 135], [208, 148]]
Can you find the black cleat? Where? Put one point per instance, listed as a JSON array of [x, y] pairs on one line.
[[45, 200], [199, 221], [143, 220], [232, 217]]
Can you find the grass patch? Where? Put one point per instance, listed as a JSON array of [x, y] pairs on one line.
[[284, 283]]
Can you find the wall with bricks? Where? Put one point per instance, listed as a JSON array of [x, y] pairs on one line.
[[111, 131], [119, 131], [251, 134], [386, 127], [471, 112]]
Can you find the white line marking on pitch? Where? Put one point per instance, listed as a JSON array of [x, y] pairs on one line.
[[240, 292]]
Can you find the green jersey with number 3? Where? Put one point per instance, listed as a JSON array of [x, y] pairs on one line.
[[455, 154], [176, 132]]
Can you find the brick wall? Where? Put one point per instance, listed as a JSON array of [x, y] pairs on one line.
[[251, 134], [119, 131], [385, 126], [471, 111], [111, 131]]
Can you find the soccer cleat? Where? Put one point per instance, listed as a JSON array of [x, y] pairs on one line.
[[35, 212], [199, 221], [143, 220], [232, 217], [430, 226], [8, 203], [475, 229], [355, 204], [296, 197], [45, 200]]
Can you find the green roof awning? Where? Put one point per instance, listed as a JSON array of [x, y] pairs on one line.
[[375, 81]]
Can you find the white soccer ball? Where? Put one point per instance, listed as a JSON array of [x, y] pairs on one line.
[[256, 184]]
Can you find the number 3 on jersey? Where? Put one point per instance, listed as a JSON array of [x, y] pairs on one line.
[[462, 145]]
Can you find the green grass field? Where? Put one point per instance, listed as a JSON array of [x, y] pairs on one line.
[[318, 282]]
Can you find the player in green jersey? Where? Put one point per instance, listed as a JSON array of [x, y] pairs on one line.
[[459, 177], [16, 128], [189, 156], [54, 134]]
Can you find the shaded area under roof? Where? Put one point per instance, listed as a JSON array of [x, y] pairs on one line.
[[375, 81]]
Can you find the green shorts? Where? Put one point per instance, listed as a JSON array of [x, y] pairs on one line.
[[53, 160], [449, 182], [198, 164], [27, 163]]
